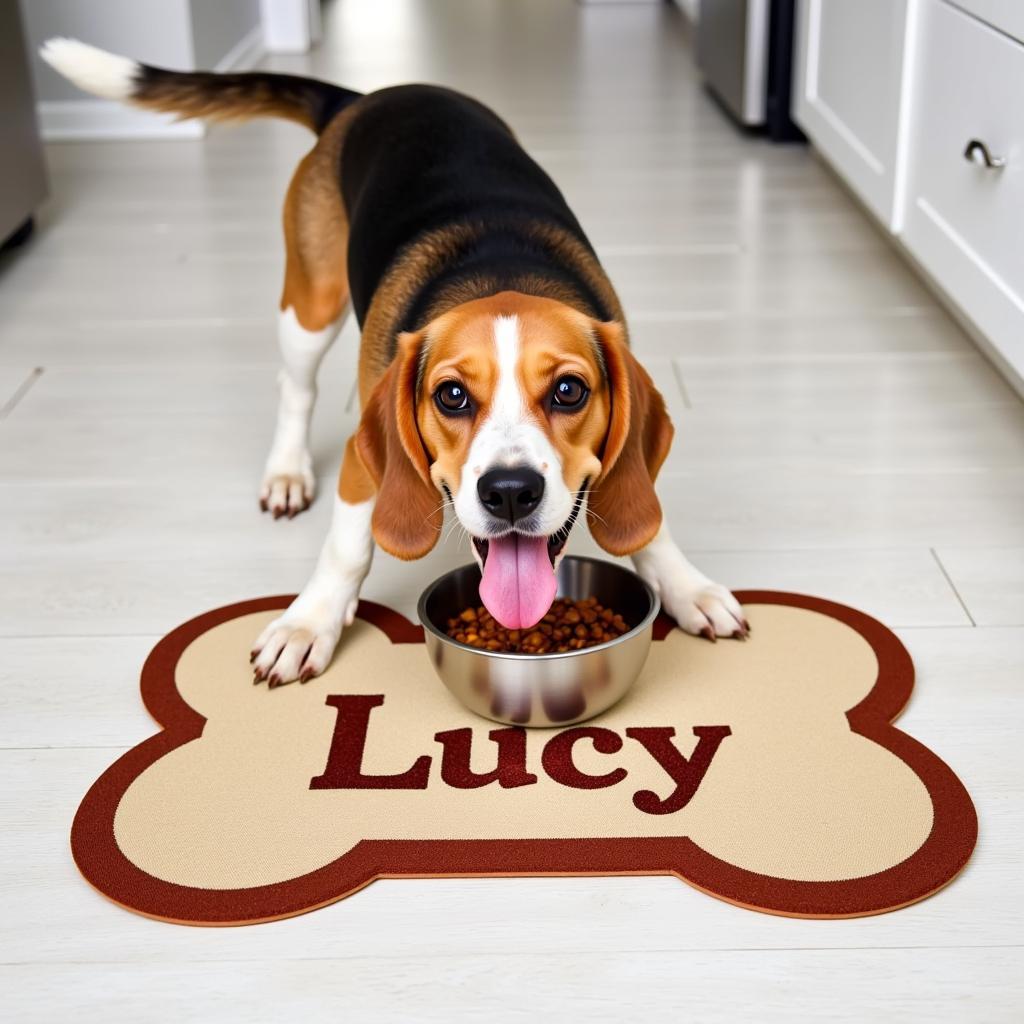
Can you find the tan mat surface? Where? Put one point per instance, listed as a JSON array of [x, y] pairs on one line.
[[766, 774]]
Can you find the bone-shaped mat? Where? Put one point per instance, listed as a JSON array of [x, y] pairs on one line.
[[765, 773]]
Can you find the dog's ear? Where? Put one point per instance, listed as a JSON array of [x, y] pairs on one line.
[[408, 513], [626, 510]]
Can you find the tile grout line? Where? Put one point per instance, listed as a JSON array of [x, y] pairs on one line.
[[154, 636], [942, 569], [71, 746], [663, 315], [566, 953], [23, 389]]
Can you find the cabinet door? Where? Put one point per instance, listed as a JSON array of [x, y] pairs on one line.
[[848, 91], [965, 203]]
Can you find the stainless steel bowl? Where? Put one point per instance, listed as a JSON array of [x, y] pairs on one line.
[[542, 689]]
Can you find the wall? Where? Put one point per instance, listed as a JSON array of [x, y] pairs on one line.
[[154, 31], [219, 26], [691, 8], [181, 34]]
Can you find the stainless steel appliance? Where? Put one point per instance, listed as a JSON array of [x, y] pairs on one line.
[[744, 50]]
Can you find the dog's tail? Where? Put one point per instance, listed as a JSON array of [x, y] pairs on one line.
[[197, 93]]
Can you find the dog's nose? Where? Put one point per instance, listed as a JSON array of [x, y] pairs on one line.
[[510, 494]]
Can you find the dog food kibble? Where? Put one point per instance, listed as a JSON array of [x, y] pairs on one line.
[[568, 626]]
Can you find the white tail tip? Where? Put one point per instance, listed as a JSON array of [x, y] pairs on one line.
[[90, 68]]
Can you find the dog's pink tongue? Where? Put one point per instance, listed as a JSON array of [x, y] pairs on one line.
[[519, 583]]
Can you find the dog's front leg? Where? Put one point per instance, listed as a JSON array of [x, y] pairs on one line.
[[699, 605], [299, 644], [288, 483]]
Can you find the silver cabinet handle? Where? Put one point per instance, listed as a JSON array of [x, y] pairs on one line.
[[977, 146]]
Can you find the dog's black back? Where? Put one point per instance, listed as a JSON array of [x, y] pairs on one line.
[[418, 159]]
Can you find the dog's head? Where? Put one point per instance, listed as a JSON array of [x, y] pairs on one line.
[[521, 411]]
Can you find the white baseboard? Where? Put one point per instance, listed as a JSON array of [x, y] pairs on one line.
[[68, 120]]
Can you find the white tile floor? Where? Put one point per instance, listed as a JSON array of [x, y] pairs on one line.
[[837, 435]]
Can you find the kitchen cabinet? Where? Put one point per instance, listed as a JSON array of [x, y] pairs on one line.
[[917, 105], [847, 93]]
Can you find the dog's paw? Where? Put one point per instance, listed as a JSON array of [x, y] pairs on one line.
[[290, 649], [705, 609], [287, 493]]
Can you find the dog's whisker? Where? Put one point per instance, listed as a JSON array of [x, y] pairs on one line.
[[452, 527], [439, 508]]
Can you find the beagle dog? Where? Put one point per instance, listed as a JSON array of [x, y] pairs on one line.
[[495, 375]]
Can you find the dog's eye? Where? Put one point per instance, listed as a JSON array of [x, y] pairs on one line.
[[570, 393], [451, 397]]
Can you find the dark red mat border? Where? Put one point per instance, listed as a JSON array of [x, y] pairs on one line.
[[941, 857]]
